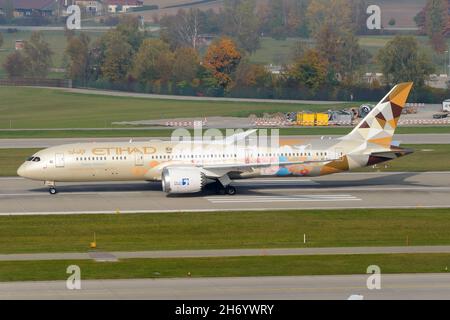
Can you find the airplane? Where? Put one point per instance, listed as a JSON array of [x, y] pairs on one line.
[[188, 167]]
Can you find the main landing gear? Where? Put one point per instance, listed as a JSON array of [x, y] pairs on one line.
[[224, 187], [52, 190]]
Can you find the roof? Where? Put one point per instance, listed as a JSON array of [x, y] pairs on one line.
[[125, 2], [31, 4]]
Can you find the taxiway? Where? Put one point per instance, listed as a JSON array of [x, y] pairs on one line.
[[342, 191]]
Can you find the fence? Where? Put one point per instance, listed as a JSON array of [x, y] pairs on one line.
[[35, 82]]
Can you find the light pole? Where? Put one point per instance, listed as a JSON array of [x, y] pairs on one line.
[[445, 61]]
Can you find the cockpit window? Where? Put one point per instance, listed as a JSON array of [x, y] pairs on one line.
[[36, 159], [30, 158]]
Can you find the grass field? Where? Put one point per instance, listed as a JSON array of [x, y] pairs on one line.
[[226, 267], [279, 52], [223, 230], [46, 108], [56, 39], [425, 158]]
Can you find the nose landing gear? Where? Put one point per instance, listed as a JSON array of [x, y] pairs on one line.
[[51, 186]]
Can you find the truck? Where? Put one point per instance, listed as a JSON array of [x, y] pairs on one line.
[[446, 105]]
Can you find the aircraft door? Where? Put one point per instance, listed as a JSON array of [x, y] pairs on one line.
[[139, 159], [59, 160]]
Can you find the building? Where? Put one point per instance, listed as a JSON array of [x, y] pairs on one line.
[[120, 6], [91, 7], [28, 8]]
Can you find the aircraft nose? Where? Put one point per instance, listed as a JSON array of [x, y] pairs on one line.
[[21, 172]]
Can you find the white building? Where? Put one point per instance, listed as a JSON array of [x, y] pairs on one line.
[[119, 6]]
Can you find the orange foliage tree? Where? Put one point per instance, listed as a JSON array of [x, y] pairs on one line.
[[221, 59]]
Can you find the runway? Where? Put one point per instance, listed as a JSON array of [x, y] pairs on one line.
[[342, 191], [443, 138], [221, 253], [393, 287]]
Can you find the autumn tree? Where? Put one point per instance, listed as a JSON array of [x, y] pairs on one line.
[[222, 59], [15, 65], [310, 70], [118, 54], [77, 51], [335, 13], [186, 65], [154, 61], [38, 55], [401, 60], [252, 75]]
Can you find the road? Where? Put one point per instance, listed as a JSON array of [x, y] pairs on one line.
[[393, 287], [114, 256], [50, 142], [340, 191]]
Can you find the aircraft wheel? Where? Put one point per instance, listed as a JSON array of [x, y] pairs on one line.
[[230, 190], [52, 191]]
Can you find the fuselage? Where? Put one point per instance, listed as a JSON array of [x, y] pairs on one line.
[[134, 161]]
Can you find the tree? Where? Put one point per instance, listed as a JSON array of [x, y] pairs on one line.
[[183, 29], [310, 70], [241, 23], [401, 61], [252, 75], [15, 65], [341, 50], [38, 55], [77, 51], [186, 65], [222, 59], [281, 18], [335, 13], [153, 61], [118, 54], [129, 29], [436, 23]]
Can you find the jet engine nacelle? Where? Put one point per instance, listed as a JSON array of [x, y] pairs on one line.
[[183, 180]]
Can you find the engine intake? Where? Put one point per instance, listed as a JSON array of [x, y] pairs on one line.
[[182, 180]]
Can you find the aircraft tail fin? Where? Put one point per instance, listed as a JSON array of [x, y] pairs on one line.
[[378, 127]]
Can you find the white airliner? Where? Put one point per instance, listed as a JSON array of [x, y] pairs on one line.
[[187, 167]]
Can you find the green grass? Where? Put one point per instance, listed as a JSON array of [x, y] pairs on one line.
[[226, 267], [56, 39], [435, 157], [46, 108], [132, 133], [11, 159], [222, 230]]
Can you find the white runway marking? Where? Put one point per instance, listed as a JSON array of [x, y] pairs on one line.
[[294, 198]]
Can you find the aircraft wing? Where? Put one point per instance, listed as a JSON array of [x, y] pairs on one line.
[[217, 170]]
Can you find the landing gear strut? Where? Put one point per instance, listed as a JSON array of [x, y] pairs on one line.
[[51, 187], [224, 187]]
